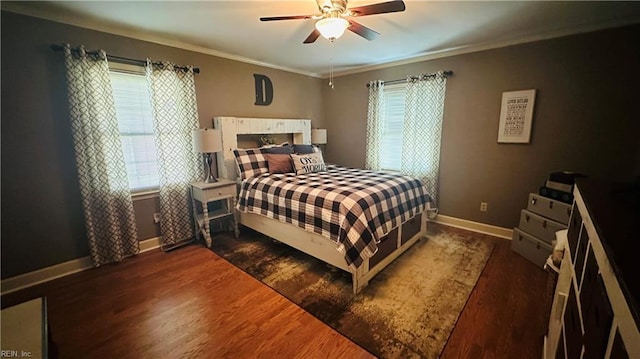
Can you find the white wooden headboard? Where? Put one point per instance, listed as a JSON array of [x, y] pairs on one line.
[[231, 127]]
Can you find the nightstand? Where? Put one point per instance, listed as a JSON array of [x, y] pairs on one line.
[[224, 192]]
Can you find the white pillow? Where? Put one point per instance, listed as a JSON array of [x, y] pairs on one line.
[[307, 163]]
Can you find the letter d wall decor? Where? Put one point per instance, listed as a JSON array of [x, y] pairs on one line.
[[264, 90]]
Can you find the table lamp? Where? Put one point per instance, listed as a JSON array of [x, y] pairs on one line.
[[318, 136], [207, 141]]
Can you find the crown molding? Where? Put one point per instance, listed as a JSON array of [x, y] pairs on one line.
[[56, 16], [460, 50], [19, 8]]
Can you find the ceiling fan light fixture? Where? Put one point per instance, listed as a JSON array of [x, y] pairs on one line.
[[332, 28]]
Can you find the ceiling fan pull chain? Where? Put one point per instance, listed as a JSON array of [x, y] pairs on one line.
[[331, 65]]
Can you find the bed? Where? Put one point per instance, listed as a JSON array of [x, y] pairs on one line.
[[354, 219]]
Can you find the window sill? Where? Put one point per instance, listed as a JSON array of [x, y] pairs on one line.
[[142, 195]]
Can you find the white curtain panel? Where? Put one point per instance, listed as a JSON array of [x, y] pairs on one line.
[[173, 98], [102, 175], [422, 130], [375, 116]]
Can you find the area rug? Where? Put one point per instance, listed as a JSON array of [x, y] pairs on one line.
[[407, 311]]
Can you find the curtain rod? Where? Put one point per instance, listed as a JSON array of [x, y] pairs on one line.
[[446, 74], [125, 60]]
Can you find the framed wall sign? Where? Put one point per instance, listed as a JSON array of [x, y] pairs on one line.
[[516, 115]]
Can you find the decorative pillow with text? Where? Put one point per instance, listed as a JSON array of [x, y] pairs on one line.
[[307, 163]]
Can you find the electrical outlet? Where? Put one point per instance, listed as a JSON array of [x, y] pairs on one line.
[[483, 206], [156, 218]]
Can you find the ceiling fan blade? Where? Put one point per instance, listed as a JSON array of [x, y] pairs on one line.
[[379, 8], [294, 17], [313, 36], [362, 30]]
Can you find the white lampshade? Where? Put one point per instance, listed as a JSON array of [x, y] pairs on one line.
[[332, 27], [207, 140], [319, 136]]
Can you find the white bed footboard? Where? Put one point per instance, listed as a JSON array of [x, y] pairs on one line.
[[317, 246]]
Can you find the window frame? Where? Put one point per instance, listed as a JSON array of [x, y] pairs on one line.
[[137, 193], [397, 93]]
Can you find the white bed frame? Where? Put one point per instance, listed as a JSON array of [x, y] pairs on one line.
[[311, 243]]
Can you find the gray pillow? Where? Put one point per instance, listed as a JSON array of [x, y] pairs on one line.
[[303, 149], [284, 149]]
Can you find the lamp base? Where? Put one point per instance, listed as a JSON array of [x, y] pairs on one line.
[[210, 177]]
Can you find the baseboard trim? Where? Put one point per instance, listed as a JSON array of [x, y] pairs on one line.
[[478, 227], [26, 280], [60, 270], [150, 244]]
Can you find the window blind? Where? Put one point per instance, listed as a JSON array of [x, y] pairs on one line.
[[392, 127], [135, 121]]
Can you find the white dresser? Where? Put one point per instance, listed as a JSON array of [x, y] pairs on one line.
[[595, 306]]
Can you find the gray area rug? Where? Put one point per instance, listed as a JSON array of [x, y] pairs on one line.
[[407, 311]]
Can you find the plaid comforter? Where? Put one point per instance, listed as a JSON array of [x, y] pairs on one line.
[[353, 207]]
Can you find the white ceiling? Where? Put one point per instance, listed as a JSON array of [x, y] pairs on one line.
[[427, 29]]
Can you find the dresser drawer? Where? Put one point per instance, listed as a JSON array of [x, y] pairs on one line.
[[550, 208], [529, 247], [539, 226]]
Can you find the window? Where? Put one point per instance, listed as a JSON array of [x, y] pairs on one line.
[[392, 127], [135, 121]]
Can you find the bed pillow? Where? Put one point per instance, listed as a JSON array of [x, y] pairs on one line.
[[279, 163], [304, 149], [284, 149], [307, 163], [251, 162]]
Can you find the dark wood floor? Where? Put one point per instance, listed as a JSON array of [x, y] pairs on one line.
[[507, 314], [191, 303]]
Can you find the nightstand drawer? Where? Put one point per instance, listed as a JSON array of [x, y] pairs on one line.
[[212, 192], [223, 191]]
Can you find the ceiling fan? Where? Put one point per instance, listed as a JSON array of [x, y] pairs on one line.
[[334, 18]]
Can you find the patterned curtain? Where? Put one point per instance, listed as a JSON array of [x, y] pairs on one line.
[[422, 131], [102, 175], [375, 116], [173, 98]]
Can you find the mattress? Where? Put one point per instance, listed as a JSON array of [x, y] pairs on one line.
[[353, 207]]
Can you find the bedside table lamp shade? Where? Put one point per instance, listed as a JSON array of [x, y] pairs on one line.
[[207, 141], [318, 136]]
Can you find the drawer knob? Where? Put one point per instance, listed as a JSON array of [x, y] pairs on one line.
[[544, 224], [519, 237], [550, 205], [534, 200], [219, 193], [526, 218], [538, 246]]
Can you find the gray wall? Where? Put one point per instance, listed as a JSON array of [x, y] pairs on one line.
[[42, 220], [586, 119]]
